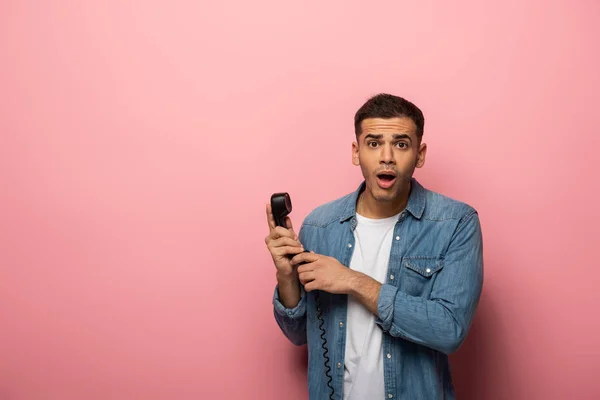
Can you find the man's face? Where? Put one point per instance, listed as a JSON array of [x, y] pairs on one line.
[[388, 151]]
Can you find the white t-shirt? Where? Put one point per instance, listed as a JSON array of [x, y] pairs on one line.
[[363, 371]]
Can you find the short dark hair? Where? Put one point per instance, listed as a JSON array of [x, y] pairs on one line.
[[385, 105]]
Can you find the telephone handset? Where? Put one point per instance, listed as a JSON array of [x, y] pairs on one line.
[[281, 206]]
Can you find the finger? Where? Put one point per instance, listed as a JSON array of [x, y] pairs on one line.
[[304, 258], [304, 267], [285, 250], [285, 241], [270, 218], [299, 258], [306, 277], [288, 223], [310, 286], [280, 231]]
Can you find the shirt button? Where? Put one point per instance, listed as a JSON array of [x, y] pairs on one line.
[[339, 365], [392, 277], [397, 237], [349, 245], [389, 355], [341, 324], [428, 270], [390, 396]]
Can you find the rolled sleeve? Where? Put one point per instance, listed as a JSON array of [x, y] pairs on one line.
[[291, 321], [294, 313], [385, 306]]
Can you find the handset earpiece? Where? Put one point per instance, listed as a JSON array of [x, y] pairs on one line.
[[281, 206]]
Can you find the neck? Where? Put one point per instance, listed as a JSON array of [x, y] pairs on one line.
[[369, 207]]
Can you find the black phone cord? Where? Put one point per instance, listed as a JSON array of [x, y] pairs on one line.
[[324, 344]]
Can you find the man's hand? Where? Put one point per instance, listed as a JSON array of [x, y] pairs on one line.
[[329, 275], [324, 273], [282, 242]]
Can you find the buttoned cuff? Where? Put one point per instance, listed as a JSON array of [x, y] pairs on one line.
[[293, 313], [385, 306]]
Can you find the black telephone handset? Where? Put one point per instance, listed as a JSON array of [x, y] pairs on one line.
[[281, 207]]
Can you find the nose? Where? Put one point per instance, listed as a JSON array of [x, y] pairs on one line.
[[387, 155]]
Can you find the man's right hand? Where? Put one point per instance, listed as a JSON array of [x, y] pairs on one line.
[[282, 242]]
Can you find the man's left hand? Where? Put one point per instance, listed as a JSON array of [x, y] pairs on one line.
[[324, 273]]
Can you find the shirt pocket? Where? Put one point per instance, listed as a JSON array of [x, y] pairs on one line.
[[418, 273]]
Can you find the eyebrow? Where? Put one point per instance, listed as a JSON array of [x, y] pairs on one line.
[[396, 136]]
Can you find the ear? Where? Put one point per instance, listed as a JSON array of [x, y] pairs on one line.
[[421, 155], [355, 158]]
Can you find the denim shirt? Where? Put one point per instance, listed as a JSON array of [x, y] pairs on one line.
[[425, 306]]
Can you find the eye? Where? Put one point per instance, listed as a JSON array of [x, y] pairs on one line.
[[372, 143], [402, 145]]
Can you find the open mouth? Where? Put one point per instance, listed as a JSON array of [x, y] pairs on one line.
[[385, 180]]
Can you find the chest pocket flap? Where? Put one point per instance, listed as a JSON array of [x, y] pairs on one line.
[[418, 274], [426, 266]]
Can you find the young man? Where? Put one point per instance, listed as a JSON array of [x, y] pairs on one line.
[[398, 270]]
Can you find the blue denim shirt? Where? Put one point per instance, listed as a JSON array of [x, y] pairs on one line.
[[425, 306]]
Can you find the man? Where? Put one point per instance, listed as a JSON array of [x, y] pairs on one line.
[[398, 270]]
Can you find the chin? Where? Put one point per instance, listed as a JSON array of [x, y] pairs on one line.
[[380, 194], [386, 197]]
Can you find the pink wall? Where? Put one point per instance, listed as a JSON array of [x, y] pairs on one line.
[[140, 142]]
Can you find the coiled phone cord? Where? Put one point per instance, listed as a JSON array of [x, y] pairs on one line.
[[324, 343]]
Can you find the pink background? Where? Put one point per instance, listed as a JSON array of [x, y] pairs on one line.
[[140, 141]]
